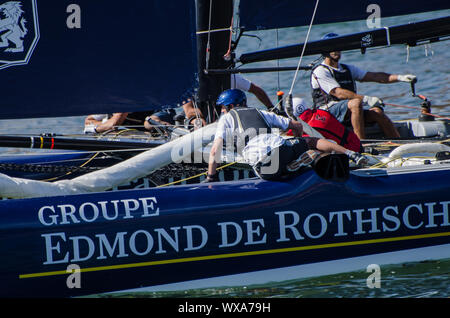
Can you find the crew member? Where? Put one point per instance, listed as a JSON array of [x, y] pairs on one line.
[[100, 123], [334, 89], [242, 126]]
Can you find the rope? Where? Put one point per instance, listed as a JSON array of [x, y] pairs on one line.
[[419, 108], [208, 44], [196, 176], [304, 47], [75, 170], [228, 54], [196, 111], [214, 30], [278, 63], [89, 160], [402, 161]]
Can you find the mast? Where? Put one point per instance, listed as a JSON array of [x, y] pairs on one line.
[[214, 18]]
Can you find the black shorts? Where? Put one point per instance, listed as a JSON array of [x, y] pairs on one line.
[[166, 115], [280, 157]]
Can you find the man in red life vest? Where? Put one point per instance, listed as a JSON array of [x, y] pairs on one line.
[[326, 124]]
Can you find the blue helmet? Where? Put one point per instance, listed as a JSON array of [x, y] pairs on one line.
[[329, 36], [234, 97]]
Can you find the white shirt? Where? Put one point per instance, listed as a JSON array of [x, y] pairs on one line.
[[258, 147], [100, 117], [239, 82], [323, 78], [226, 127]]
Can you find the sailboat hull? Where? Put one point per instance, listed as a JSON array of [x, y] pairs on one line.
[[140, 238]]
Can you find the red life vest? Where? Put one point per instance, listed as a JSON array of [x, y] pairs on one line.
[[331, 128]]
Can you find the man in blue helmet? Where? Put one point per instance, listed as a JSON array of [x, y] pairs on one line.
[[242, 126], [334, 89]]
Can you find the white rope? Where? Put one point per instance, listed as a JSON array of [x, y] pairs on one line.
[[303, 50], [278, 62], [407, 53], [208, 45], [307, 128], [196, 109], [230, 29]]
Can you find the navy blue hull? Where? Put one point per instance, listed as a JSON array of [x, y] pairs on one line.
[[135, 238]]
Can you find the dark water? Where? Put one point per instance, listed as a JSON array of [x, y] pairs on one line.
[[428, 279]]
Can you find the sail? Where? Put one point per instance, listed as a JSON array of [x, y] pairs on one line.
[[271, 14], [66, 59]]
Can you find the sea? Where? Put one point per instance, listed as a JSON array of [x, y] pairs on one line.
[[430, 63]]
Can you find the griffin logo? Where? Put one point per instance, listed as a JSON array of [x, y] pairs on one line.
[[19, 32]]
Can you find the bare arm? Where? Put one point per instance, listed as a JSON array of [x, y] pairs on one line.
[[214, 156], [380, 77], [190, 112], [115, 120], [296, 127], [343, 93], [90, 120], [160, 122], [261, 95]]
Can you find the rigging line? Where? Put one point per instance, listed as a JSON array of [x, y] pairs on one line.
[[407, 53], [401, 159], [31, 154], [214, 30], [196, 110], [196, 176], [130, 127], [216, 112], [116, 133], [208, 44], [304, 47], [70, 172], [278, 62], [88, 160], [419, 108], [228, 54]]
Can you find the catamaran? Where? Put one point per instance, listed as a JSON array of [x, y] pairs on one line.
[[95, 222]]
